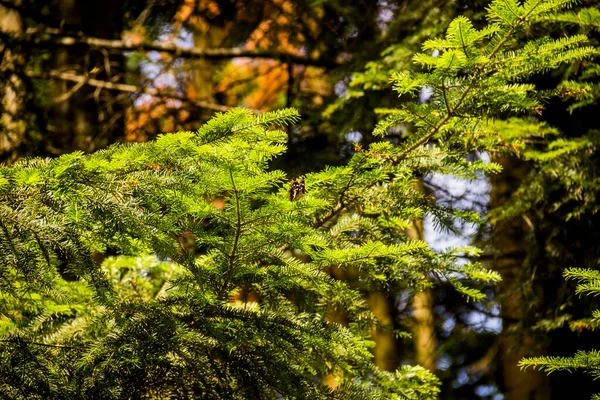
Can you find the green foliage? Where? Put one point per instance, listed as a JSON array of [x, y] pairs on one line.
[[369, 87], [479, 90], [220, 286], [585, 17], [564, 165], [588, 283], [206, 204], [588, 280], [474, 75], [567, 166], [586, 360], [563, 191]]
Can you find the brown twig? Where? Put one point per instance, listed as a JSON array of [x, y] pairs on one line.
[[69, 93], [122, 87], [54, 37]]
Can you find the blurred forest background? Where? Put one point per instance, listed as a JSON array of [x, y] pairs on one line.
[[82, 74]]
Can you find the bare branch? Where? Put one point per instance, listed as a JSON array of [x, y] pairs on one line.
[[68, 94], [122, 87], [54, 37]]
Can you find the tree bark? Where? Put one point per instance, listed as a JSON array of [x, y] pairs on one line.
[[13, 122], [385, 353], [424, 324], [509, 237], [424, 330]]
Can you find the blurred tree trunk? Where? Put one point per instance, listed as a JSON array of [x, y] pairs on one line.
[[424, 324], [13, 120], [385, 353], [338, 316], [77, 119], [424, 330], [509, 241]]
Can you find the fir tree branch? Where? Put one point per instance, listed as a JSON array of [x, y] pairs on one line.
[[445, 97], [341, 203], [425, 138], [451, 111], [238, 231], [334, 211], [56, 346]]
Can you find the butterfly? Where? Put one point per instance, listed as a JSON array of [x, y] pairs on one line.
[[297, 189]]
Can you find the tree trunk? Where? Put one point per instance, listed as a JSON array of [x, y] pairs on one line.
[[424, 330], [508, 240], [87, 119], [424, 326], [385, 354], [13, 122]]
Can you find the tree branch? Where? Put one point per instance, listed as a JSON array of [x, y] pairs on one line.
[[451, 112], [122, 87], [57, 346], [238, 231], [56, 39], [68, 94], [332, 213]]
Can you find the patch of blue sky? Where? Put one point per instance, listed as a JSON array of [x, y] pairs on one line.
[[353, 137]]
